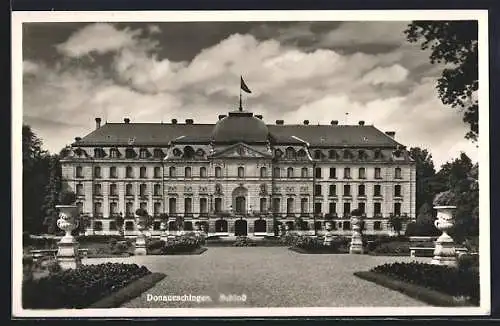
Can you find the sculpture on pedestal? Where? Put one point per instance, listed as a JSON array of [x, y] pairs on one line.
[[164, 227], [67, 253], [444, 250], [328, 233], [141, 223], [356, 246]]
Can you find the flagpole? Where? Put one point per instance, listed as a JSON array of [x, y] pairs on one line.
[[241, 108]]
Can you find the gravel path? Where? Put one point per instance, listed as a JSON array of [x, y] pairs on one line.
[[268, 277]]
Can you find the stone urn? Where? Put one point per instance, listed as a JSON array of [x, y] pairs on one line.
[[328, 233], [444, 250], [287, 229], [140, 240], [356, 246], [163, 228], [67, 253], [281, 230], [204, 229]]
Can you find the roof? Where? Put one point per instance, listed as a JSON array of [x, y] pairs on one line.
[[161, 134], [240, 126]]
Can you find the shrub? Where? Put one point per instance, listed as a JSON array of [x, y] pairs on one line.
[[181, 244], [395, 247], [452, 281], [79, 288], [382, 239], [466, 262], [54, 267], [155, 244], [421, 229], [244, 242], [98, 238]]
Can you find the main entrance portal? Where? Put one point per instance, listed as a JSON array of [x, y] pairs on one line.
[[240, 200], [240, 228]]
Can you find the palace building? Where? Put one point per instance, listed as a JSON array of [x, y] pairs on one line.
[[240, 176]]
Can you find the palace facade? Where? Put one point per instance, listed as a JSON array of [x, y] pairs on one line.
[[240, 176]]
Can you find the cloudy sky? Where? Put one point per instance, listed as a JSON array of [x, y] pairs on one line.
[[152, 72]]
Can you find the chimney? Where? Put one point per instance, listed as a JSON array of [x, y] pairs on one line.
[[306, 122], [126, 120], [280, 122], [334, 122], [361, 123], [258, 116], [174, 121], [97, 123], [390, 134], [189, 121], [77, 139], [221, 116]]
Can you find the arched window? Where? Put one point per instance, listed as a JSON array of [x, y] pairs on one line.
[[129, 172], [171, 172], [142, 172], [187, 172], [158, 153], [221, 226], [114, 153], [290, 153], [301, 153], [332, 154], [218, 172], [143, 153], [289, 172], [317, 154], [260, 226], [263, 172], [203, 172], [97, 172], [347, 154], [188, 152], [241, 172]]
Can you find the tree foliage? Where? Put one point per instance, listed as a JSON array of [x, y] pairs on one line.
[[52, 195], [454, 43], [425, 172]]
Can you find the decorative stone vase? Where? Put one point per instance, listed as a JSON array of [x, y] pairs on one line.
[[287, 229], [281, 230], [444, 250], [140, 240], [356, 246], [163, 228], [328, 233], [67, 253]]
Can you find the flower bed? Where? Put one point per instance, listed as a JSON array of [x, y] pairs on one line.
[[179, 245], [307, 244], [456, 282], [79, 288], [244, 242]]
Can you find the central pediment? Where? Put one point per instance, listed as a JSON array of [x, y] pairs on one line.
[[241, 150]]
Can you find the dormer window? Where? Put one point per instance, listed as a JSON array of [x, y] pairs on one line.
[[332, 154], [290, 153], [114, 153], [318, 155], [301, 153], [347, 154], [362, 154], [143, 153], [99, 153], [378, 154], [158, 153], [130, 153]]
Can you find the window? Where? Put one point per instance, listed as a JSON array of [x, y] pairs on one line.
[[114, 153], [129, 209], [218, 172], [99, 153], [333, 173], [378, 154], [187, 172], [397, 173], [203, 172], [361, 173], [188, 205], [377, 191], [397, 209], [301, 153], [397, 191], [98, 189], [317, 190], [361, 191], [143, 205], [332, 154], [317, 154], [277, 173], [317, 173], [188, 152], [347, 154], [142, 190], [79, 190], [263, 172], [332, 208], [158, 153], [171, 172], [290, 153], [130, 153], [333, 190], [241, 172], [377, 226], [129, 189], [157, 190], [289, 173], [218, 205], [289, 206], [172, 206], [157, 172], [97, 226], [263, 205], [112, 172], [98, 209], [347, 190], [129, 226], [97, 172], [143, 153], [304, 173], [347, 173], [362, 207], [157, 209], [129, 172], [142, 172], [377, 209], [361, 154], [346, 225], [347, 209], [317, 208], [113, 209], [79, 172], [113, 191], [377, 173], [276, 205], [203, 206], [304, 206]]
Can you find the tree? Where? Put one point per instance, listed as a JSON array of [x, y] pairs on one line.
[[454, 43], [52, 195], [425, 174], [119, 220], [396, 222]]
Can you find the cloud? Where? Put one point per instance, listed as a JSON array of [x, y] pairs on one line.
[[386, 75]]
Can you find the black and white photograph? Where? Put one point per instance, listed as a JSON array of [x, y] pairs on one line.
[[250, 163]]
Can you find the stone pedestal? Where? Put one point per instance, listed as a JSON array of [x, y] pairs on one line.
[[444, 251], [328, 234], [67, 253], [140, 245], [356, 246], [164, 234]]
